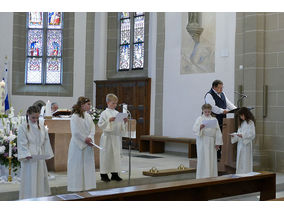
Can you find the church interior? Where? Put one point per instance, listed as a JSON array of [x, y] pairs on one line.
[[160, 65]]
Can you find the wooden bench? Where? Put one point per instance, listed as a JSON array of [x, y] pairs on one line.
[[156, 144], [185, 190]]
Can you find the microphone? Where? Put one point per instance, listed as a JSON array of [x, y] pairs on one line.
[[243, 95]]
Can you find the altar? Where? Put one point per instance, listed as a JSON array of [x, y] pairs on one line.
[[60, 136]]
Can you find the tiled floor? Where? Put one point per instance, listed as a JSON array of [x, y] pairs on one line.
[[139, 162]]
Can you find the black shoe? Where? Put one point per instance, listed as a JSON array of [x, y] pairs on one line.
[[104, 177], [114, 176]]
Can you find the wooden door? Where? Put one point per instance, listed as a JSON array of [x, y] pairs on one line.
[[136, 94]]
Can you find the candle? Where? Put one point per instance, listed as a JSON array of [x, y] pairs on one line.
[[124, 108], [48, 109]]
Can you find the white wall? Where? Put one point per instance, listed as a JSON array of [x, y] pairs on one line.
[[152, 66], [100, 49], [20, 102], [184, 94]]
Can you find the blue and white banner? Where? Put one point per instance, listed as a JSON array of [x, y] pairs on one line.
[[7, 106]]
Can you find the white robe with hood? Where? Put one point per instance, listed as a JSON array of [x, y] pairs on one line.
[[110, 141], [34, 176], [244, 150], [81, 172], [206, 139]]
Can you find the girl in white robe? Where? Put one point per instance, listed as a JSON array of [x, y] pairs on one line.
[[244, 137], [110, 140], [33, 142], [81, 172], [208, 141]]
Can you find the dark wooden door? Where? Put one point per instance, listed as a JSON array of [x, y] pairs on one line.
[[136, 94]]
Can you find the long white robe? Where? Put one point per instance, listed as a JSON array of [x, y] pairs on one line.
[[81, 172], [34, 176], [110, 141], [244, 150], [206, 139]]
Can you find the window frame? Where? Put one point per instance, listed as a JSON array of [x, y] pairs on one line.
[[132, 16], [44, 56]]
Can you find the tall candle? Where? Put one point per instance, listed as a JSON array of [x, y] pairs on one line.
[[48, 108], [124, 108], [10, 146]]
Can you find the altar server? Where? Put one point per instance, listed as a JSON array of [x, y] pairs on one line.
[[244, 137], [110, 140], [81, 163], [33, 149], [208, 141]]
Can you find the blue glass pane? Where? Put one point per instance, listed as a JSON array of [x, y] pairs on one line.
[[54, 20], [139, 29], [54, 46], [125, 31], [35, 42], [53, 71], [35, 20], [138, 56], [124, 57], [34, 70], [124, 15]]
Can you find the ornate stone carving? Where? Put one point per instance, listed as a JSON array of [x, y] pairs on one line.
[[193, 26]]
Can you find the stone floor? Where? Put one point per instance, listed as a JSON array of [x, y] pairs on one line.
[[139, 162]]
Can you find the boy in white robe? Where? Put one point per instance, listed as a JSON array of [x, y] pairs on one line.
[[81, 172], [33, 142], [110, 140], [208, 141], [244, 137]]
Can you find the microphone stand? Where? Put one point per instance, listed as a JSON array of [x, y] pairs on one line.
[[129, 144]]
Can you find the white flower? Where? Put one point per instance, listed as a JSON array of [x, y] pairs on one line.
[[2, 149], [15, 155]]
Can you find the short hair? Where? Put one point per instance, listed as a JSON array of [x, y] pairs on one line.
[[216, 83], [111, 97], [206, 106]]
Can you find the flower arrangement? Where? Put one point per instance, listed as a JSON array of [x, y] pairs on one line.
[[8, 133], [95, 113]]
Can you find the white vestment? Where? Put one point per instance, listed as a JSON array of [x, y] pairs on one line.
[[110, 142], [34, 176], [81, 172], [206, 139], [244, 151]]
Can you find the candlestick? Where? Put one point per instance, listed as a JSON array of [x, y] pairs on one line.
[[48, 110], [10, 169]]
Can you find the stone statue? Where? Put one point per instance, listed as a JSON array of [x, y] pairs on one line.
[[193, 26]]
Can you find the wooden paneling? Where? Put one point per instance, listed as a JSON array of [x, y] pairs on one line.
[[136, 94]]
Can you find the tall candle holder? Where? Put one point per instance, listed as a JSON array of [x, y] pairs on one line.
[[10, 169]]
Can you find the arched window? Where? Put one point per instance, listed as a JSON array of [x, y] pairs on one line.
[[131, 42], [44, 64]]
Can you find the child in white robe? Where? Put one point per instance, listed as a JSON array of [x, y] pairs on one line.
[[208, 141], [110, 140], [81, 173], [244, 137], [33, 142]]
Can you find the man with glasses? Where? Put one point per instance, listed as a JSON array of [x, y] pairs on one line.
[[221, 105]]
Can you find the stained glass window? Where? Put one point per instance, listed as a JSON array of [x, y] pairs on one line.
[[131, 50], [44, 48]]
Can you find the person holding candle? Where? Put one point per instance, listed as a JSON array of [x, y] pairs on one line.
[[81, 172], [110, 140], [33, 149]]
